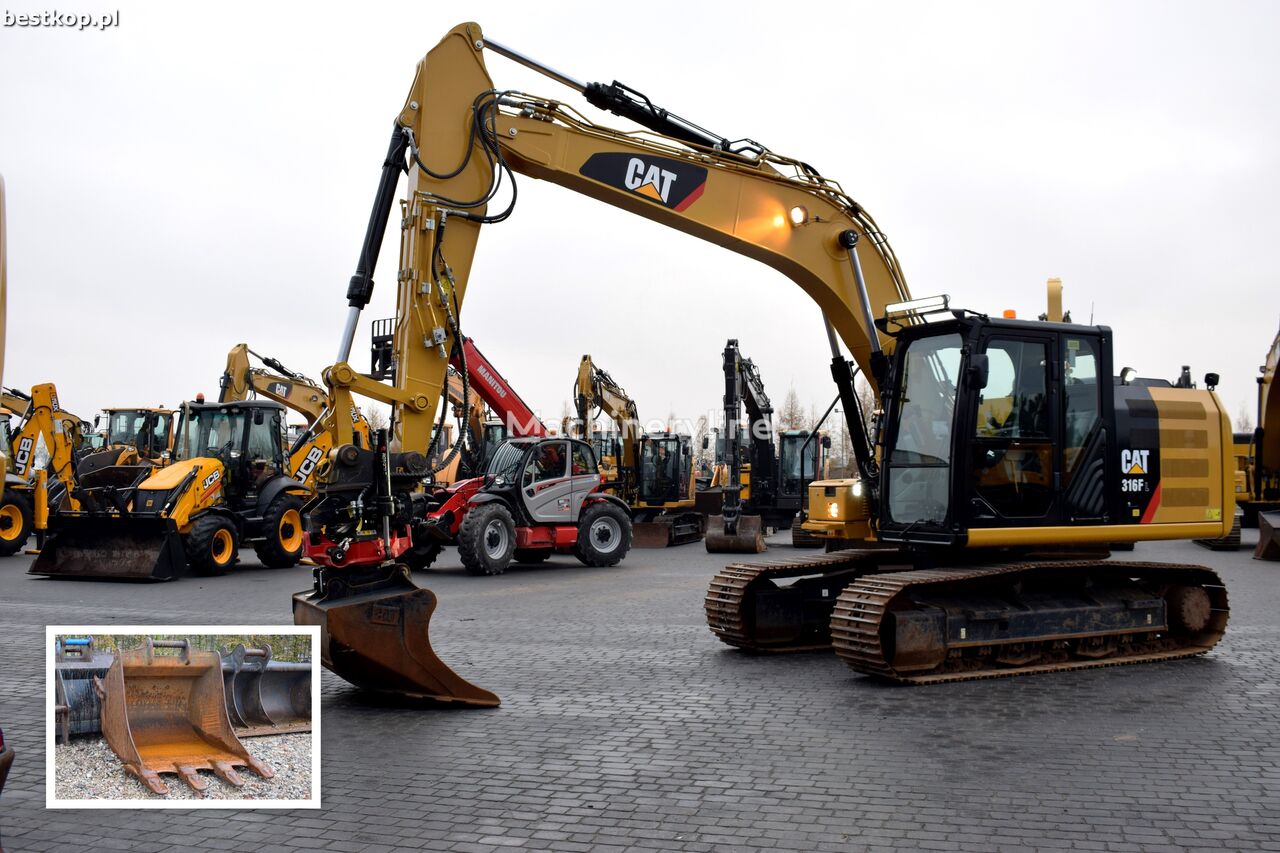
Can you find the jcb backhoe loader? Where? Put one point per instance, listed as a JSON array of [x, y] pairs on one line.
[[30, 488], [228, 484], [952, 506], [653, 474]]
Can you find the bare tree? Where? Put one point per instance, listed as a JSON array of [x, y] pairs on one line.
[[792, 414], [1244, 420], [376, 417]]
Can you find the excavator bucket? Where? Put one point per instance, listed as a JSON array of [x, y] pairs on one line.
[[266, 697], [166, 714], [1268, 536], [115, 547], [376, 637], [76, 665], [749, 538], [665, 531]]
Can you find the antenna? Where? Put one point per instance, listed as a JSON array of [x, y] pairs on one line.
[[1090, 313]]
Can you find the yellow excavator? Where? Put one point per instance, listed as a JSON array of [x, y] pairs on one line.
[[654, 472], [956, 505], [4, 298], [1258, 462]]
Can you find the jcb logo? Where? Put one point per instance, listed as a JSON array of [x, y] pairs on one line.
[[671, 183], [213, 477], [25, 446], [1135, 462], [314, 455]]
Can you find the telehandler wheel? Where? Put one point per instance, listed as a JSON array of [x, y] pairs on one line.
[[487, 539], [604, 535], [420, 557], [282, 527], [532, 555], [16, 520], [212, 545]]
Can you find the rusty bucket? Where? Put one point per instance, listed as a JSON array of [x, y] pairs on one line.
[[166, 714], [749, 538], [1268, 536], [266, 697], [376, 637]]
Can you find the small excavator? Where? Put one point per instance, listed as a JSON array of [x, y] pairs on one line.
[[769, 489], [654, 473], [995, 444]]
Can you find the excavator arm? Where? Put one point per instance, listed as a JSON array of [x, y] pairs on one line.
[[596, 389]]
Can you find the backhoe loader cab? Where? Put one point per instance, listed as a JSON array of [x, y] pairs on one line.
[[228, 483], [542, 496], [149, 431]]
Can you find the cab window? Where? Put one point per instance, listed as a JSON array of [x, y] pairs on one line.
[[584, 461], [547, 462]]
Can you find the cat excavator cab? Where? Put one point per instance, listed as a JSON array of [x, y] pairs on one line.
[[461, 140]]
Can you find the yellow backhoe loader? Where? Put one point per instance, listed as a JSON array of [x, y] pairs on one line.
[[960, 504], [42, 465], [653, 474], [228, 484]]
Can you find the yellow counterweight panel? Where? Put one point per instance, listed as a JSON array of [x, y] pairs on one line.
[[1197, 467]]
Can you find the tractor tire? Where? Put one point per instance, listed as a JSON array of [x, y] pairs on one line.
[[487, 539], [212, 545], [801, 538], [16, 522], [532, 555], [282, 527], [604, 535], [420, 557]]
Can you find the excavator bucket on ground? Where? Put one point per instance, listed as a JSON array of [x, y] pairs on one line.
[[110, 546], [1268, 536], [748, 539], [166, 714], [665, 531], [376, 637], [266, 697]]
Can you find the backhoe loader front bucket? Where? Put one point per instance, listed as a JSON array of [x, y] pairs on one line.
[[166, 714], [112, 546], [749, 538], [376, 637], [1268, 536], [266, 697]]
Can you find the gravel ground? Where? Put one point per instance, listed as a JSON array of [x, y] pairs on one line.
[[87, 769]]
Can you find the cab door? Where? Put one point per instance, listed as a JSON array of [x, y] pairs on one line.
[[546, 485], [1014, 474]]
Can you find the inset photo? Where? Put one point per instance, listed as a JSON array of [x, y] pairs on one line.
[[177, 717]]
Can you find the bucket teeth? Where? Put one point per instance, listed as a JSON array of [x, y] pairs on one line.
[[192, 778], [228, 774]]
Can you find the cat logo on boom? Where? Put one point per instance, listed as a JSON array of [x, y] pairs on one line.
[[672, 183]]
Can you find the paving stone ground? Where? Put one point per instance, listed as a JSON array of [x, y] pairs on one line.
[[626, 726]]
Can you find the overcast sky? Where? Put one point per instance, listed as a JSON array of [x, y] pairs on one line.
[[201, 175]]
